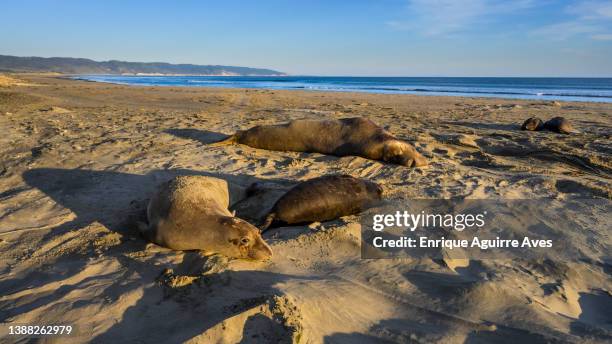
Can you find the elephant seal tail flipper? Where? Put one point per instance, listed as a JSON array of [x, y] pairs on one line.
[[225, 142], [267, 222], [145, 231]]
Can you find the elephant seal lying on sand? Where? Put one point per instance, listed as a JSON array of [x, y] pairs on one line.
[[559, 125], [190, 213], [533, 124], [323, 198], [347, 136]]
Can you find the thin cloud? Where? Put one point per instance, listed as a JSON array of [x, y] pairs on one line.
[[602, 37], [565, 30], [591, 10], [591, 19], [442, 17]]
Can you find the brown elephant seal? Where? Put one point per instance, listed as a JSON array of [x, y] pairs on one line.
[[340, 137], [322, 199], [190, 213], [533, 124], [559, 125]]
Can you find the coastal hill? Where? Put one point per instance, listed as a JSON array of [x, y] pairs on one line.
[[69, 65]]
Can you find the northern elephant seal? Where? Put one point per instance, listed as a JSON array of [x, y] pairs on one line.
[[533, 124], [322, 199], [190, 213], [559, 125], [341, 137]]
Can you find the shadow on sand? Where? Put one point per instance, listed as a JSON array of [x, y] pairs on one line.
[[161, 313], [176, 315], [487, 126], [202, 136], [116, 199], [416, 329]]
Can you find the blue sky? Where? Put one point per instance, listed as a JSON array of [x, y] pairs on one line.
[[384, 37]]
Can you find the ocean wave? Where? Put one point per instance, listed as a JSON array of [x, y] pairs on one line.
[[525, 88], [461, 91]]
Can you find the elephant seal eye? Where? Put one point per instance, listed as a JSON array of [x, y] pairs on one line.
[[245, 240]]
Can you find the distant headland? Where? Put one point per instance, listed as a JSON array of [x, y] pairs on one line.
[[70, 65]]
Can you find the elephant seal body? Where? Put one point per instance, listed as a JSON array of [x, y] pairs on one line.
[[348, 136], [559, 125], [533, 124], [324, 198], [190, 213]]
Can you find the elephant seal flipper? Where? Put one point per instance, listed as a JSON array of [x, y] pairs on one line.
[[267, 222], [146, 231], [232, 139]]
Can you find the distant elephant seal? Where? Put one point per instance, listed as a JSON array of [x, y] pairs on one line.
[[559, 125], [190, 213], [348, 136], [322, 199], [533, 124]]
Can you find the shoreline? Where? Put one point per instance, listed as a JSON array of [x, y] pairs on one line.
[[352, 94], [418, 90]]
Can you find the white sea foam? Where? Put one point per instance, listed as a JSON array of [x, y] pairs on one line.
[[577, 89]]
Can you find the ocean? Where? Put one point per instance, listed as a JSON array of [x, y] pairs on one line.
[[568, 89]]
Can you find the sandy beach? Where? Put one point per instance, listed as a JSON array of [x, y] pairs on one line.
[[79, 161]]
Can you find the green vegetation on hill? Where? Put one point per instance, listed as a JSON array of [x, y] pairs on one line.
[[69, 65]]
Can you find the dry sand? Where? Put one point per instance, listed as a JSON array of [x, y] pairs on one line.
[[79, 160], [8, 81]]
